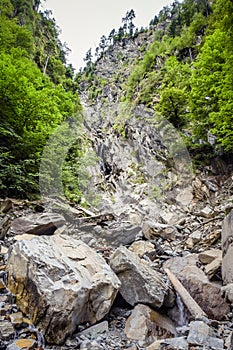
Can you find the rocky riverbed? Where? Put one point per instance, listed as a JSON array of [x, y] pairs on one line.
[[72, 279]]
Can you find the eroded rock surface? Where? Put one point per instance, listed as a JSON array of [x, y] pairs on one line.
[[60, 282]]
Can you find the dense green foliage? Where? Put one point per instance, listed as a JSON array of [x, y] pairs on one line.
[[32, 104], [186, 74], [212, 79]]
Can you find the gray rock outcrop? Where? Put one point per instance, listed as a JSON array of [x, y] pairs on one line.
[[60, 282]]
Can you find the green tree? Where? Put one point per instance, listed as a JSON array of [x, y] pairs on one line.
[[172, 105], [11, 34], [31, 107], [211, 96]]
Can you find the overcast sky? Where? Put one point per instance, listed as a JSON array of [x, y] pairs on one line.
[[83, 22]]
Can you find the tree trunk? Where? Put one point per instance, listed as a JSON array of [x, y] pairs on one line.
[[190, 303]]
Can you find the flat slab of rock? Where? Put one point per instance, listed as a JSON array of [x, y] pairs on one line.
[[37, 224], [209, 255], [139, 282], [98, 328], [207, 294], [60, 282], [23, 344]]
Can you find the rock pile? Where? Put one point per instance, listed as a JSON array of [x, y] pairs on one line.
[[63, 285]]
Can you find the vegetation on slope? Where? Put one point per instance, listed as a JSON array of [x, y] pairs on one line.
[[34, 99], [186, 74]]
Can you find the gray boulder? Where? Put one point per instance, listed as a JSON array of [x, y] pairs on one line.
[[60, 282], [139, 282], [201, 334], [38, 224]]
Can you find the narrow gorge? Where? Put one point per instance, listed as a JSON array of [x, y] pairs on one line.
[[130, 244]]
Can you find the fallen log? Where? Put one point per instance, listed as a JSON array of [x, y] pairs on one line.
[[188, 300]]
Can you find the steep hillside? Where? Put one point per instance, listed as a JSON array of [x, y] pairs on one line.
[[139, 102], [130, 243], [37, 93]]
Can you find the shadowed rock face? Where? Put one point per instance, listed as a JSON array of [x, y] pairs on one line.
[[60, 282], [38, 224]]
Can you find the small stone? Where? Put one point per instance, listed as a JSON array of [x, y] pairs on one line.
[[3, 250], [208, 256], [185, 197], [199, 333], [196, 236], [16, 319], [141, 247], [3, 298], [207, 212], [189, 243], [169, 218]]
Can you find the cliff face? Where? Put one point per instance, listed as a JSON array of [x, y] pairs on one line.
[[142, 162]]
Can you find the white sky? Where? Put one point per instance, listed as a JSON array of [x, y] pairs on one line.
[[83, 22]]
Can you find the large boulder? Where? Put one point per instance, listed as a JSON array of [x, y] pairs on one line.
[[38, 224], [139, 282], [60, 282], [227, 249], [207, 294]]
